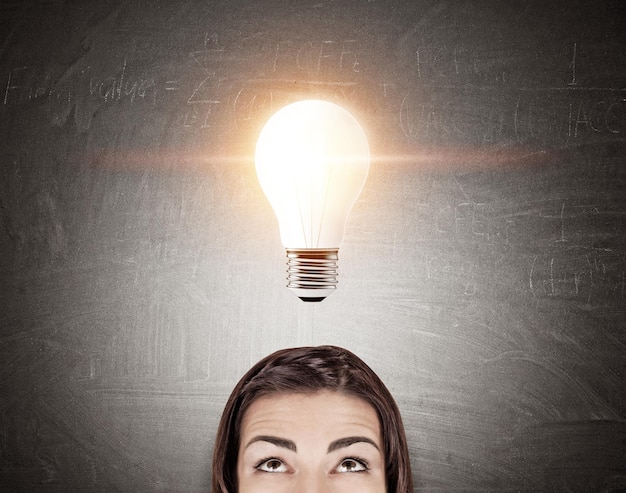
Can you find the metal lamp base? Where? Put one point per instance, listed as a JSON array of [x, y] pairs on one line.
[[312, 272]]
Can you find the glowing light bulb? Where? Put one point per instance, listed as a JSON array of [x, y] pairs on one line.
[[312, 159]]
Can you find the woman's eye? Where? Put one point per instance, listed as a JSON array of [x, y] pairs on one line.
[[351, 465], [271, 465]]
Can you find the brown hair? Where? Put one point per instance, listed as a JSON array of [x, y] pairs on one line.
[[304, 370]]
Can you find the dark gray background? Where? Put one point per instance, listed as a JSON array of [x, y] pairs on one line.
[[483, 272]]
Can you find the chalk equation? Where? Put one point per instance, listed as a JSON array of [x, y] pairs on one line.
[[593, 277], [441, 96], [535, 116], [568, 251]]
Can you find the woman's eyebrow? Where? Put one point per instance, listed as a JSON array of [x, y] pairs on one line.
[[347, 441], [279, 442]]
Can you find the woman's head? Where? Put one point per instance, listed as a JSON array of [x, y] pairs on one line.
[[324, 371]]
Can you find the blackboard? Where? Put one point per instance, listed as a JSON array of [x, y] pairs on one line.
[[482, 275]]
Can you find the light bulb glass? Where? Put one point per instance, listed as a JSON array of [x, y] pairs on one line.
[[312, 159]]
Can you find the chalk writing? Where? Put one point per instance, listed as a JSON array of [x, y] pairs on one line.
[[23, 85], [466, 222], [203, 91], [121, 86], [592, 276], [573, 67], [534, 116], [451, 93], [200, 116]]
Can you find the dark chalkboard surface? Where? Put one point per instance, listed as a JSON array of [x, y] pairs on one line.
[[483, 272]]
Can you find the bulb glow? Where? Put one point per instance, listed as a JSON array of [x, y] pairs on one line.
[[312, 159]]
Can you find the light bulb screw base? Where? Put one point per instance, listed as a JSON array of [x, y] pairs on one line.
[[312, 272]]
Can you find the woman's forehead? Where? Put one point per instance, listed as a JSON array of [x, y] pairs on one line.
[[290, 412]]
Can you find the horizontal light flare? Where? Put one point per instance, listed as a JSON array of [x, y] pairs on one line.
[[433, 158]]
